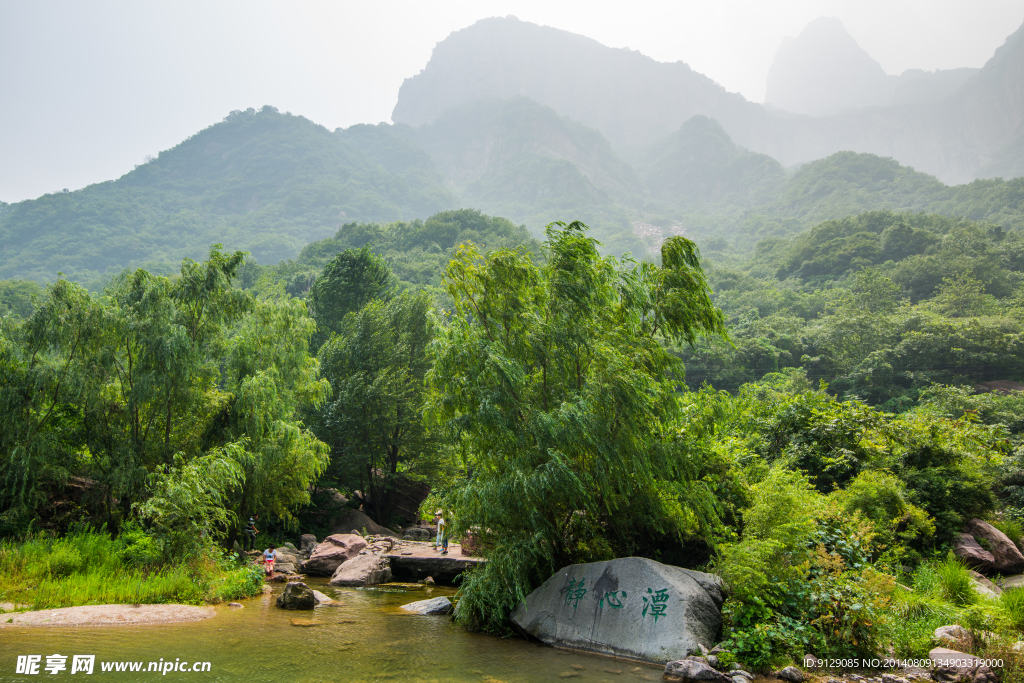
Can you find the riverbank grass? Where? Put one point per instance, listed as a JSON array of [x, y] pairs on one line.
[[92, 568]]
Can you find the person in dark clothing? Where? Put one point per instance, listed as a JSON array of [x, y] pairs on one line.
[[250, 533]]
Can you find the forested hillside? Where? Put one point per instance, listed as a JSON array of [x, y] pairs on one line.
[[261, 181], [271, 183], [880, 306], [522, 160], [416, 251]]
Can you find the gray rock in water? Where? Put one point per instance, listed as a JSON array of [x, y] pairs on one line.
[[335, 550], [694, 670], [297, 595], [236, 605], [322, 599], [630, 607], [1007, 557], [441, 605], [362, 570], [791, 673]]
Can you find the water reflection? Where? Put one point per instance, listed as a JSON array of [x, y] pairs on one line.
[[366, 637]]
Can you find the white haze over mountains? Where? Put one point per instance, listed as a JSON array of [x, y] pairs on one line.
[[824, 71], [89, 89]]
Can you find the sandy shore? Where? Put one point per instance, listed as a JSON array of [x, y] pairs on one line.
[[108, 615]]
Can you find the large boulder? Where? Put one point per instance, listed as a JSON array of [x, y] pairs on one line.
[[984, 587], [953, 635], [968, 550], [1012, 582], [416, 533], [441, 605], [335, 550], [951, 666], [286, 555], [296, 595], [363, 570], [307, 543], [629, 607], [347, 520], [1007, 556]]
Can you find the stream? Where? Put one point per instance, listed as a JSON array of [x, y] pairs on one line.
[[367, 637]]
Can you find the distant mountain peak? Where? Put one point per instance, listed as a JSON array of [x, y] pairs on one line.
[[824, 71]]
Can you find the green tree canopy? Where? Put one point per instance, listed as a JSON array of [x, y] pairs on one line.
[[553, 383]]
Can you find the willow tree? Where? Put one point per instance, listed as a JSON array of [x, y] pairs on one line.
[[374, 420], [174, 399], [555, 385]]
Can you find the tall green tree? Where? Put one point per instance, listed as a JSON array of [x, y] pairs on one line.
[[153, 387], [348, 282], [554, 383], [376, 365]]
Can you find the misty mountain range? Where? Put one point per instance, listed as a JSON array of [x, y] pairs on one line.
[[538, 124]]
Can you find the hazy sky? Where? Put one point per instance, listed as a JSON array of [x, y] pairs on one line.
[[88, 89]]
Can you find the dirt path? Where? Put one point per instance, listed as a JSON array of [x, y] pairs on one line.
[[108, 615]]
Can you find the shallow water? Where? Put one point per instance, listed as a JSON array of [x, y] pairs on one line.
[[365, 638]]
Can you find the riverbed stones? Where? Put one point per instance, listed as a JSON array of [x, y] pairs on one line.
[[441, 605], [297, 595], [1008, 558], [951, 666], [792, 674], [332, 553], [630, 607], [687, 670], [322, 599], [362, 570], [284, 567]]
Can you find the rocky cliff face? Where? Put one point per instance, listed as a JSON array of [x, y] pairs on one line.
[[824, 71], [634, 100]]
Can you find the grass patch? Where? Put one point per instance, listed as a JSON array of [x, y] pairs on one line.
[[91, 568], [1012, 528], [954, 581]]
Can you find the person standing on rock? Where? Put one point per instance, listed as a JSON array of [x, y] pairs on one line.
[[250, 533], [442, 531], [269, 557]]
